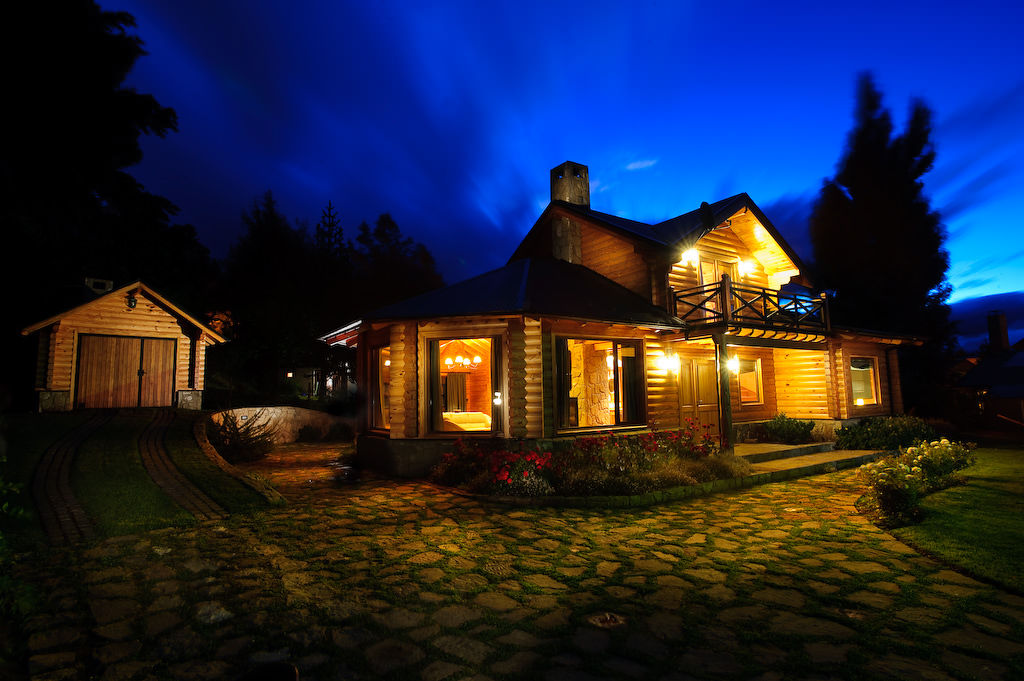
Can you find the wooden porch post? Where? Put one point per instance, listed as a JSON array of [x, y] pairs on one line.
[[724, 396], [726, 292]]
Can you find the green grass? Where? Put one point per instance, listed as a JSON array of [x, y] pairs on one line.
[[25, 437], [111, 483], [979, 526], [232, 495]]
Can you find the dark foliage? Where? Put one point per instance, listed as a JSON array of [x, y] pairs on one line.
[[237, 440], [68, 207], [781, 428], [878, 245], [885, 434]]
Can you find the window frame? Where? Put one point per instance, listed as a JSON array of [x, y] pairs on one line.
[[760, 382], [563, 383], [435, 416], [875, 387], [376, 399]]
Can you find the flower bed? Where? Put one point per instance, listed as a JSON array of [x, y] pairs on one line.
[[897, 483], [606, 464]]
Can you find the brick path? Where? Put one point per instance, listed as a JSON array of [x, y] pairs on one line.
[[165, 474], [405, 581], [61, 515]]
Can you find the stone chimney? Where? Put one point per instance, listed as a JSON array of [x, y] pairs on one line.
[[570, 182], [998, 334]]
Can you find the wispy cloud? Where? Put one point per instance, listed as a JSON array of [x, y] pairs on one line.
[[640, 165]]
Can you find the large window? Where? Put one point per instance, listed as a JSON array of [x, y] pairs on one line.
[[750, 382], [462, 378], [600, 382], [380, 399], [864, 380]]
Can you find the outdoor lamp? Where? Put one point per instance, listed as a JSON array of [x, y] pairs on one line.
[[733, 364]]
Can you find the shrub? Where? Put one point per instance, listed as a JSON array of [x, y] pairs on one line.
[[897, 482], [308, 434], [237, 440], [790, 431], [340, 432], [884, 434], [520, 473]]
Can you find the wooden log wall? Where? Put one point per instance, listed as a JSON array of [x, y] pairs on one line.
[[720, 244], [534, 378], [517, 417], [614, 257], [403, 386], [662, 386], [110, 316], [767, 408], [801, 383]]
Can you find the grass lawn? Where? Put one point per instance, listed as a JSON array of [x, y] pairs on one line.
[[979, 526], [111, 483], [232, 495]]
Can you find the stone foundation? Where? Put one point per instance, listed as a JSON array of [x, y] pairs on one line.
[[189, 399], [54, 400]]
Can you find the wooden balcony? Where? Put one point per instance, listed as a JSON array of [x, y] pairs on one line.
[[725, 304]]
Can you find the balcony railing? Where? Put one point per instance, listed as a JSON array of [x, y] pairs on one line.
[[723, 302]]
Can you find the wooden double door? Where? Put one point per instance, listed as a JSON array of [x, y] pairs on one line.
[[698, 390], [121, 371]]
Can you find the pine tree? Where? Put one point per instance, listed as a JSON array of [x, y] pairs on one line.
[[878, 245]]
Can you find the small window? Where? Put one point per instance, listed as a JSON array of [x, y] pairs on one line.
[[750, 382], [462, 385], [380, 414], [864, 380], [600, 383]]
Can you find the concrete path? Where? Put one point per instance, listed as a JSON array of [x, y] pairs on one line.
[[62, 517], [165, 474], [385, 579]]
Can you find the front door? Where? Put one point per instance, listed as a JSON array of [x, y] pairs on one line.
[[698, 391]]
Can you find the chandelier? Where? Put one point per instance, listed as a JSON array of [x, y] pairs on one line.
[[460, 362]]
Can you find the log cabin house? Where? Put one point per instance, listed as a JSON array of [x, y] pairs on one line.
[[129, 347], [601, 323]]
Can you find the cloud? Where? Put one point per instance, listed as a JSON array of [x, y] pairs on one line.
[[640, 165], [987, 264]]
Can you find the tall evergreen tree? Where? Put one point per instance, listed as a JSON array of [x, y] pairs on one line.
[[878, 245]]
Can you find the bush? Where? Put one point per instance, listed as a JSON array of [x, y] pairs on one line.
[[340, 432], [308, 434], [251, 440], [790, 431], [887, 434], [897, 483]]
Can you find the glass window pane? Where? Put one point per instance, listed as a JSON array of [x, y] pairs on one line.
[[750, 381], [863, 380], [465, 384]]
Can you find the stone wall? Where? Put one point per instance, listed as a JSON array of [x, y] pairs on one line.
[[54, 400], [289, 420]]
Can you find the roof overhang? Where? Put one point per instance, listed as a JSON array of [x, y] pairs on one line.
[[346, 335]]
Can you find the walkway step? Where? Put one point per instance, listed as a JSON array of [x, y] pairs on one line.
[[770, 452], [816, 463]]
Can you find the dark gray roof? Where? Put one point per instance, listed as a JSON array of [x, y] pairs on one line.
[[689, 227], [534, 286]]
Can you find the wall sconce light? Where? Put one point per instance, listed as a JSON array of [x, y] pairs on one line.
[[131, 301], [744, 267], [733, 364], [690, 257], [859, 401], [497, 399], [668, 363]]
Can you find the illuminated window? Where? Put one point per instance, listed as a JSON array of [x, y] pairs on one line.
[[864, 380], [600, 382], [750, 382], [380, 388], [462, 385]]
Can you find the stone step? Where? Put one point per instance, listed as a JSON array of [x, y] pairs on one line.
[[757, 453], [814, 464]]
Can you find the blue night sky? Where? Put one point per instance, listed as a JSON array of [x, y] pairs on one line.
[[449, 115]]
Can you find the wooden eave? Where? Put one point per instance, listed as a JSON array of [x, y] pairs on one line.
[[134, 287]]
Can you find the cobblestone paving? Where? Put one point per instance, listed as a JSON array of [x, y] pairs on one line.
[[382, 579]]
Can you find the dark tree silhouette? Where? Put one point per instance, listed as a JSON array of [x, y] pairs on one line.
[[393, 267], [878, 245], [69, 131]]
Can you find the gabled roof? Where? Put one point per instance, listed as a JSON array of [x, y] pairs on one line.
[[677, 233], [532, 286], [138, 287]]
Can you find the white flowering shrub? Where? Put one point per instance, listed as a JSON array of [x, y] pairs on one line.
[[897, 483]]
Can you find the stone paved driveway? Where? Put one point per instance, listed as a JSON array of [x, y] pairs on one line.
[[404, 581]]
